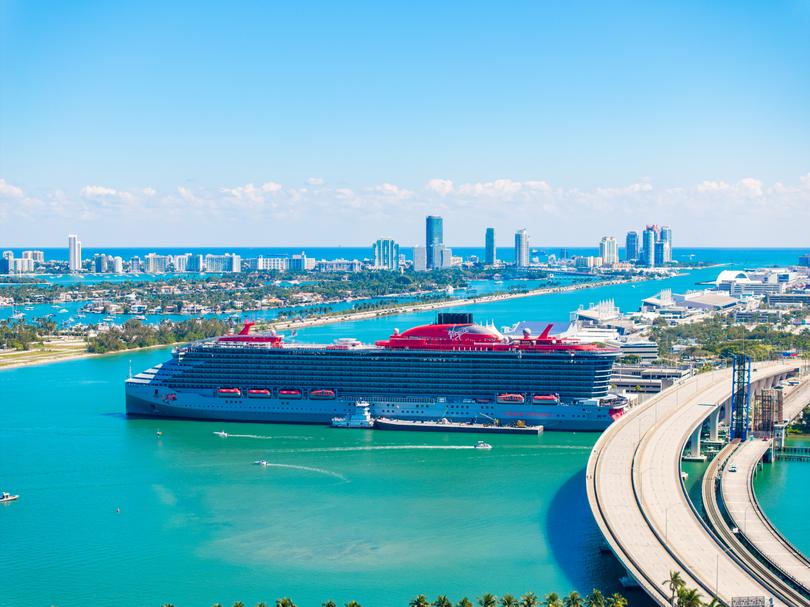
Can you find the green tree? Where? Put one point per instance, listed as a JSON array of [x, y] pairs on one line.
[[353, 604], [675, 583], [715, 602], [508, 600], [329, 603], [689, 597], [529, 600], [285, 602], [464, 602], [553, 600], [238, 604], [442, 601], [573, 599], [488, 600], [616, 600], [419, 601], [595, 599]]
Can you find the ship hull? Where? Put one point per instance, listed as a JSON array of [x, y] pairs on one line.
[[146, 401]]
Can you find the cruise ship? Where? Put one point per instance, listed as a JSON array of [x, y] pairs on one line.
[[452, 369]]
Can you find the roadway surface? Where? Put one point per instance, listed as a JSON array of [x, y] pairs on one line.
[[744, 510], [637, 497]]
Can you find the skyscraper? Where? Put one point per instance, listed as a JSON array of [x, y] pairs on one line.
[[434, 241], [631, 246], [419, 259], [386, 254], [666, 250], [74, 253], [609, 250], [490, 255], [648, 239], [522, 248]]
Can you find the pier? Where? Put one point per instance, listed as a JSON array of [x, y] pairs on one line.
[[640, 504]]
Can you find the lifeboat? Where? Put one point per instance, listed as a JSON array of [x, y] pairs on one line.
[[229, 392], [259, 393], [483, 401], [322, 394], [289, 393], [511, 398], [170, 397], [546, 399]]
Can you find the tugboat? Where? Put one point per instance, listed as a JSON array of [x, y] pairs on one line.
[[359, 418], [7, 497]]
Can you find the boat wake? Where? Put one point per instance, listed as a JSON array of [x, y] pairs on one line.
[[256, 436], [382, 448], [307, 469]]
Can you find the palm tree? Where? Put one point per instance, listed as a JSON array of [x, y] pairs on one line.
[[689, 597], [715, 602], [616, 600], [509, 601], [595, 599], [420, 601], [553, 600], [329, 603], [285, 602], [261, 604], [442, 601], [464, 602], [238, 604], [675, 582], [529, 600], [353, 604], [573, 600], [488, 600]]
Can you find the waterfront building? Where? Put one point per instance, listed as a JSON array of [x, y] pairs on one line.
[[386, 254], [631, 246], [100, 263], [338, 265], [648, 239], [804, 260], [229, 262], [419, 259], [491, 254], [587, 262], [666, 236], [522, 248], [195, 263], [118, 265], [135, 265], [7, 262], [23, 266], [446, 257], [434, 241], [157, 264], [74, 253], [181, 262], [36, 256], [609, 250], [563, 253], [301, 263], [663, 254], [281, 264]]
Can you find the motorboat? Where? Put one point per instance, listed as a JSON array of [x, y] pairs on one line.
[[482, 445], [158, 433], [221, 434], [7, 497], [359, 418], [262, 462]]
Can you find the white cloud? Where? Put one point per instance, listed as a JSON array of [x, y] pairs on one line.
[[316, 181], [10, 191], [442, 187]]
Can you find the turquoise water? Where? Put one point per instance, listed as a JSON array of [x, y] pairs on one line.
[[342, 514], [783, 491]]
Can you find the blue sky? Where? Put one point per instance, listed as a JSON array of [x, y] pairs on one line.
[[325, 123]]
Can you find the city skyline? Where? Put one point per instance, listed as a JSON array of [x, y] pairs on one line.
[[335, 125]]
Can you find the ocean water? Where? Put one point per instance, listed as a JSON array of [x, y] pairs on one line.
[[110, 512]]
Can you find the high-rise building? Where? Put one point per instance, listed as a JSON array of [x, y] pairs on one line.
[[302, 263], [118, 265], [37, 256], [420, 259], [609, 250], [522, 248], [446, 258], [100, 263], [491, 254], [74, 253], [7, 262], [135, 265], [180, 262], [434, 241], [195, 263], [648, 240], [631, 246], [665, 236], [157, 264], [386, 254]]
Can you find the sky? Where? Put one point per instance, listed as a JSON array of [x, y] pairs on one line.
[[325, 123]]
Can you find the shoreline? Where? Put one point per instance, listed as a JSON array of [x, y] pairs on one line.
[[55, 357]]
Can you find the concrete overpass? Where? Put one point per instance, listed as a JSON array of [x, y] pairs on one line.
[[735, 514], [638, 499]]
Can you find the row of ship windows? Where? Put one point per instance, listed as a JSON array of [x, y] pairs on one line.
[[293, 363], [395, 378]]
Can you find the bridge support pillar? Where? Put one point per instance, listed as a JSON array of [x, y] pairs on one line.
[[714, 423], [693, 450]]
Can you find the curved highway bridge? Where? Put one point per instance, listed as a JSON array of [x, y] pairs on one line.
[[637, 495]]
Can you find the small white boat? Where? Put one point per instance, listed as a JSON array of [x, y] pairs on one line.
[[262, 462], [482, 445], [7, 497], [63, 311], [140, 317], [221, 434], [158, 433], [359, 418]]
